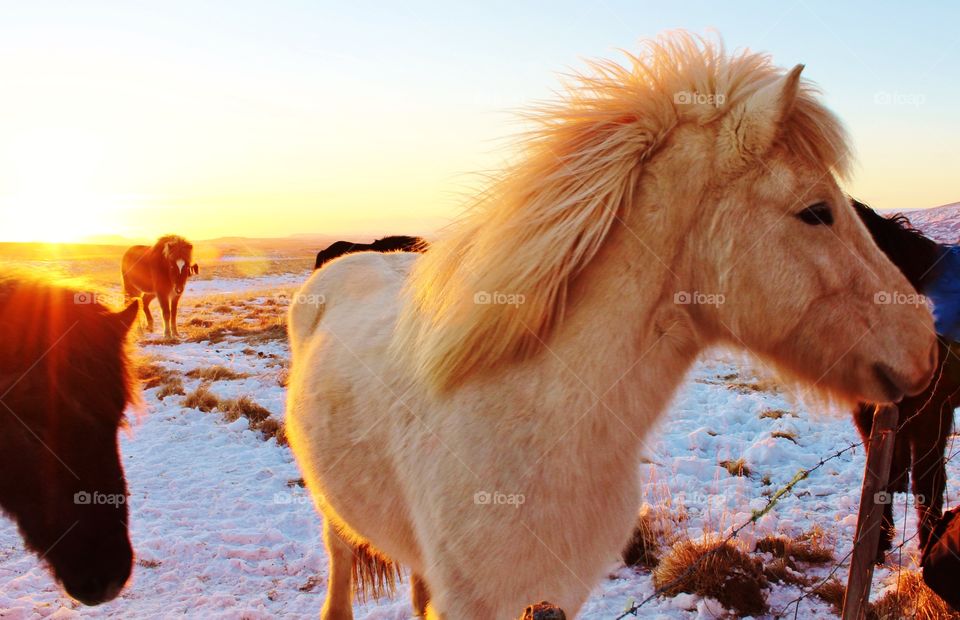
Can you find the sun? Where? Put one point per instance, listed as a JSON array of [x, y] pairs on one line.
[[53, 189]]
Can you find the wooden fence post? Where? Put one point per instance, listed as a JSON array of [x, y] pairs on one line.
[[869, 520]]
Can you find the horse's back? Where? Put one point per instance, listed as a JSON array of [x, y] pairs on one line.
[[134, 267], [353, 288]]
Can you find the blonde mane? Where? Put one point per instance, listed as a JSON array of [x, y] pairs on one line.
[[496, 286]]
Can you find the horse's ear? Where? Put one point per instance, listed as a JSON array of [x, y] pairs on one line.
[[750, 128], [128, 316], [194, 269]]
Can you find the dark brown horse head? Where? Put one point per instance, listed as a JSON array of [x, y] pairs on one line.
[[64, 386], [177, 256]]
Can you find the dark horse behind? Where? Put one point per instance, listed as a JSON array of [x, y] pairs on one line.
[[159, 271], [64, 385], [396, 243], [926, 420]]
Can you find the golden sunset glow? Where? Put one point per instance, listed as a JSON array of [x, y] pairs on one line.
[[122, 122]]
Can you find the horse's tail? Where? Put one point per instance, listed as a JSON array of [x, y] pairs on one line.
[[374, 574]]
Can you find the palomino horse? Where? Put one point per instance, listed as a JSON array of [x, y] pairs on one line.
[[926, 419], [396, 243], [159, 271], [477, 412], [64, 384]]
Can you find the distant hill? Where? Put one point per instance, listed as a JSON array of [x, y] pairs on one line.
[[939, 223]]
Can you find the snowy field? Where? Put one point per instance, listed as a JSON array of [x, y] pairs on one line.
[[223, 529]]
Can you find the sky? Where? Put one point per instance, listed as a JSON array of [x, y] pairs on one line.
[[278, 118]]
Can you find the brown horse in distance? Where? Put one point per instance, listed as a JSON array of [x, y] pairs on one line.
[[64, 384], [159, 271]]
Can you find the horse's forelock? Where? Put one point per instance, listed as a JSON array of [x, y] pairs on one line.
[[174, 247]]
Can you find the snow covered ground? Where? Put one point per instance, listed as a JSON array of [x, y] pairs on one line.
[[222, 528]]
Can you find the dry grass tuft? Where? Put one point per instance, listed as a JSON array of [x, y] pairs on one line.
[[244, 406], [782, 570], [737, 467], [151, 374], [649, 535], [833, 592], [784, 435], [259, 418], [912, 599], [271, 428], [725, 573], [776, 414], [173, 387], [215, 373], [201, 398], [809, 547]]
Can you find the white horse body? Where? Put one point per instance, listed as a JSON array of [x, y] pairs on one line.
[[566, 424]]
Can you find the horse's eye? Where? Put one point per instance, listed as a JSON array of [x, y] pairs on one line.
[[817, 214]]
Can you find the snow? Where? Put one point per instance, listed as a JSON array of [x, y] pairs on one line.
[[939, 223], [222, 529]]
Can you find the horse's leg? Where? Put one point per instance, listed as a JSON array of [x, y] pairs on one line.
[[929, 469], [174, 303], [165, 311], [145, 302], [419, 595], [339, 602]]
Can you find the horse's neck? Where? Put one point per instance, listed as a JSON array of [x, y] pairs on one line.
[[627, 340]]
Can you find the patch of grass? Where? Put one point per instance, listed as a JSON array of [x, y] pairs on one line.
[[258, 417], [912, 599], [782, 570], [714, 569], [151, 374], [312, 582], [222, 309], [784, 435], [737, 467], [832, 592], [173, 387], [201, 398], [810, 548], [271, 428], [776, 414], [649, 535], [215, 373], [244, 406], [266, 330]]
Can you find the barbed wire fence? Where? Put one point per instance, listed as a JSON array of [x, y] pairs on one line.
[[806, 591]]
